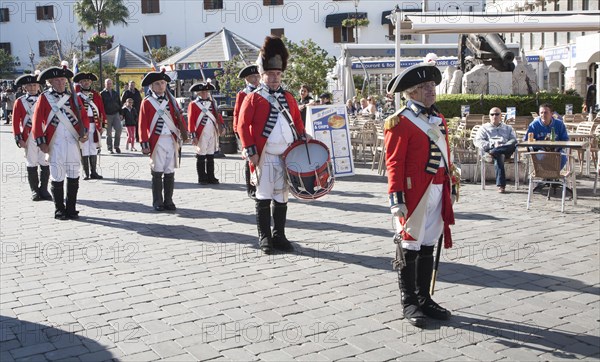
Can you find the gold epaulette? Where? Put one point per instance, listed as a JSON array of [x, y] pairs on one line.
[[393, 120]]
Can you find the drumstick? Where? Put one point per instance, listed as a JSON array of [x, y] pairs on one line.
[[307, 152]]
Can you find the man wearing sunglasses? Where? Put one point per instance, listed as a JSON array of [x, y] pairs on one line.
[[499, 141]]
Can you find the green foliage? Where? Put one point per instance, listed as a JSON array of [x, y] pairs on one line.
[[228, 79], [308, 64], [162, 53], [449, 104], [109, 71], [355, 22], [113, 12], [7, 62]]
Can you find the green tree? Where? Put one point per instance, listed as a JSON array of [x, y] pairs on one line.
[[7, 62], [162, 53], [228, 79], [308, 64], [112, 12]]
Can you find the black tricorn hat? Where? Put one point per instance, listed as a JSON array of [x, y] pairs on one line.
[[325, 95], [27, 79], [154, 76], [81, 76], [413, 75], [249, 70], [55, 72], [273, 55], [197, 87]]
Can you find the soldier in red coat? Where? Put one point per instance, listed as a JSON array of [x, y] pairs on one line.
[[160, 128], [269, 122], [22, 124], [252, 77], [94, 107], [58, 128], [204, 125], [419, 186]]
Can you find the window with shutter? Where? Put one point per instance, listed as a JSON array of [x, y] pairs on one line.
[[150, 6], [47, 47], [45, 12], [4, 16], [272, 2], [213, 4], [278, 32], [154, 41], [6, 47]]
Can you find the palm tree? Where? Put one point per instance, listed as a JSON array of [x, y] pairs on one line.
[[101, 14]]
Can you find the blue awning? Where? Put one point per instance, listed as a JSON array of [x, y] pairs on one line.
[[333, 20]]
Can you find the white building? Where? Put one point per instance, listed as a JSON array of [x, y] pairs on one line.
[[26, 27]]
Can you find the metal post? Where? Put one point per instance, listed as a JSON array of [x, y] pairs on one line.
[[100, 52], [31, 56], [356, 19]]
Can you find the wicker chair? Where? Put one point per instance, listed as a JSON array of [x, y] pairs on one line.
[[545, 167]]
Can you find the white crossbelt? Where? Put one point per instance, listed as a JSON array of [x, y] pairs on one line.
[[58, 110], [166, 116], [204, 112]]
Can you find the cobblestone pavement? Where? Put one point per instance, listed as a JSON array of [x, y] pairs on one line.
[[129, 284]]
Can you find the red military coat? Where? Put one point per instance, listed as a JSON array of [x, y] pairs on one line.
[[97, 99], [21, 127], [193, 114], [149, 137], [239, 99], [407, 155], [43, 129], [254, 114]]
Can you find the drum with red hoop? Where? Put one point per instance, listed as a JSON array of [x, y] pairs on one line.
[[309, 170]]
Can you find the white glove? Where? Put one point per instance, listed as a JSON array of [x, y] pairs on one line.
[[399, 210]]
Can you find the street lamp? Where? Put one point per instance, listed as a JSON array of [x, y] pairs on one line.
[[31, 56], [81, 34], [98, 5], [356, 19]]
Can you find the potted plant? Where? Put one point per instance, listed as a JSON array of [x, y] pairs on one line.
[[352, 22], [100, 40]]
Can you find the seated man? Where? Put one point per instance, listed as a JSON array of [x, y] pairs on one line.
[[547, 127], [499, 141]]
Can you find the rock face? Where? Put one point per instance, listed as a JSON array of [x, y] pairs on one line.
[[499, 82], [476, 80], [524, 79]]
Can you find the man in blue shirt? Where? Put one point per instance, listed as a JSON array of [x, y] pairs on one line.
[[547, 127]]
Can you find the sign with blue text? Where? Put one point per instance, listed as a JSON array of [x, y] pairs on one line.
[[329, 124]]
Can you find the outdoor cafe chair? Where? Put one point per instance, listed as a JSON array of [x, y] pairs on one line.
[[545, 168]]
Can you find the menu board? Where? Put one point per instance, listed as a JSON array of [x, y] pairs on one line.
[[569, 109], [465, 110], [329, 124], [511, 112]]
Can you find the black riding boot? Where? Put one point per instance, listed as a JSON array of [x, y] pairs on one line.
[[32, 177], [169, 187], [201, 169], [157, 188], [44, 178], [93, 162], [210, 170], [280, 242], [72, 188], [424, 273], [85, 162], [407, 282], [251, 189], [263, 222], [58, 193]]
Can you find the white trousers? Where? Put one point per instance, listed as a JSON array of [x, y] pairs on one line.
[[64, 156], [432, 225], [89, 147], [33, 154], [209, 140], [272, 179], [163, 156]]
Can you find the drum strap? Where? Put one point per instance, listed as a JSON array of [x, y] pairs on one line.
[[275, 103]]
